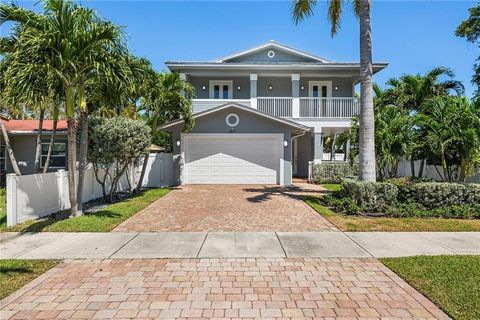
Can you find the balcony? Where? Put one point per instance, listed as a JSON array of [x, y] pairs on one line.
[[287, 107]]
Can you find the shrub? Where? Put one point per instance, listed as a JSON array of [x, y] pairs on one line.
[[442, 194], [113, 144], [416, 210], [333, 172], [370, 196]]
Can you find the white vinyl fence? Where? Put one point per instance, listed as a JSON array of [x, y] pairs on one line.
[[38, 195], [429, 171]]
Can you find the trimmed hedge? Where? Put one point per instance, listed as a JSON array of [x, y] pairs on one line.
[[370, 196], [436, 195], [407, 199], [333, 172]]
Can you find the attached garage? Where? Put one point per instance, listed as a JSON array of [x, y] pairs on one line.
[[232, 158], [233, 144]]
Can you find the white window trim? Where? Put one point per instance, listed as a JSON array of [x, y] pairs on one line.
[[319, 84], [220, 83], [54, 156]]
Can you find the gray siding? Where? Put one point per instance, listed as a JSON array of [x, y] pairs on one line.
[[199, 82], [24, 149], [282, 86], [345, 86], [280, 56]]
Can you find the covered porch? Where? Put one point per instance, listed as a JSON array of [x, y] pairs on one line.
[[327, 145]]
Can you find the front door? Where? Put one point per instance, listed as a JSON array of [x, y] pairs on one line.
[[221, 90], [320, 89]]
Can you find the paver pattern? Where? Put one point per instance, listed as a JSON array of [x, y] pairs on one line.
[[230, 208], [333, 288]]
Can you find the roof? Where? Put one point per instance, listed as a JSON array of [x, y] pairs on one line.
[[276, 45], [309, 62], [31, 126], [242, 107]]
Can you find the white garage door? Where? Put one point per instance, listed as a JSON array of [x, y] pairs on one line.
[[232, 158]]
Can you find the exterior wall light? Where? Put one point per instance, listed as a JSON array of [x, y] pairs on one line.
[[302, 88], [178, 142], [336, 88], [270, 87], [204, 88], [239, 88], [285, 143]]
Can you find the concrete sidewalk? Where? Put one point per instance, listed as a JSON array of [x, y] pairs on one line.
[[118, 245]]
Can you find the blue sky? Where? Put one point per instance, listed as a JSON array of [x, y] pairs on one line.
[[413, 36]]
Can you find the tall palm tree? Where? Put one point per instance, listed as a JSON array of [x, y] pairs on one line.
[[72, 42], [166, 97], [304, 8]]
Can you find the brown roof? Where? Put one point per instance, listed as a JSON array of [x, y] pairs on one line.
[[32, 125]]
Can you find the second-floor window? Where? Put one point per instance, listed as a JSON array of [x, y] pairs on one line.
[[220, 89]]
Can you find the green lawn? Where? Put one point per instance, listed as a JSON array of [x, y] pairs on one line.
[[14, 274], [451, 282], [101, 221], [358, 223], [331, 186]]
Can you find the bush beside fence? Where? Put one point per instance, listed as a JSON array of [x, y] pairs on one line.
[[333, 172]]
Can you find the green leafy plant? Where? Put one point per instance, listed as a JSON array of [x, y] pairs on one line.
[[114, 144]]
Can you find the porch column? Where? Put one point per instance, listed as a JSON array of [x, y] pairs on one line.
[[295, 95], [253, 90], [318, 147]]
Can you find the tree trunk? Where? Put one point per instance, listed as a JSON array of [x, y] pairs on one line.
[[72, 149], [11, 155], [82, 161], [463, 170], [412, 168], [38, 146], [332, 151], [145, 159], [420, 170], [367, 121], [444, 163], [50, 144]]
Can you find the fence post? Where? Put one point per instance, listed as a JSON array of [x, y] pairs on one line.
[[11, 199]]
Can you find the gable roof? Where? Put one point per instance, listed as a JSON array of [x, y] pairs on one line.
[[272, 44], [241, 107], [31, 126]]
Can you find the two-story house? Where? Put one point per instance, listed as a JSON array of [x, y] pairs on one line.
[[261, 115]]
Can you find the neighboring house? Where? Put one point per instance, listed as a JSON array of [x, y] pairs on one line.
[[261, 115], [23, 136]]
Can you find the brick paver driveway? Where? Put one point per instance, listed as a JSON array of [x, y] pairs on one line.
[[220, 288], [230, 208]]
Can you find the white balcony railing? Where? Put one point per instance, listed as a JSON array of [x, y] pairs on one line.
[[328, 107], [199, 105], [287, 107], [278, 106]]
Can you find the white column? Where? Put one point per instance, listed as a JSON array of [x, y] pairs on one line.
[[318, 147], [295, 95], [253, 90], [183, 77]]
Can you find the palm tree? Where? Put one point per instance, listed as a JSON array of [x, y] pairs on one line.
[[166, 97], [304, 8], [410, 91], [72, 42]]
